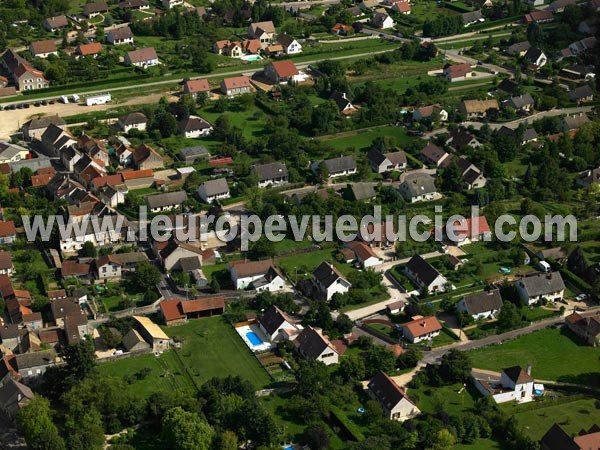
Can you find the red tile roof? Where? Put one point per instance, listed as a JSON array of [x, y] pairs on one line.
[[285, 69], [90, 49], [171, 309], [135, 174], [237, 82], [7, 228], [194, 86], [423, 325]]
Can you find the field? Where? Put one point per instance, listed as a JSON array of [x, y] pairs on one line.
[[211, 348], [554, 354], [452, 402], [362, 139]]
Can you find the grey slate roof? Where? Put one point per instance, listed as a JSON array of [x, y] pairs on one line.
[[8, 150], [190, 263], [133, 118], [36, 359], [422, 269], [519, 47], [270, 171], [387, 392], [521, 101], [543, 283], [340, 164], [168, 199], [482, 302], [273, 318], [327, 274], [363, 191], [311, 343], [216, 187], [194, 152], [420, 185], [581, 93], [530, 134], [44, 122]]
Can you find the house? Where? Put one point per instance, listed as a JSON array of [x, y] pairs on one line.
[[335, 167], [582, 94], [418, 187], [12, 152], [8, 232], [364, 254], [177, 311], [538, 16], [73, 269], [581, 46], [43, 49], [579, 72], [236, 86], [10, 336], [340, 29], [369, 4], [481, 305], [394, 402], [461, 139], [381, 163], [6, 265], [426, 277], [472, 17], [402, 7], [518, 49], [251, 46], [522, 103], [133, 342], [396, 307], [91, 10], [152, 334], [272, 174], [106, 267], [132, 121], [145, 157], [34, 128], [134, 5], [14, 396], [195, 87], [536, 58], [557, 439], [558, 6], [214, 190], [362, 191], [167, 201], [191, 155], [277, 326], [194, 127], [530, 135], [472, 176], [588, 177], [274, 50], [534, 288], [92, 49], [513, 384], [313, 345], [263, 31], [32, 365], [174, 253], [433, 154], [573, 123], [120, 36], [281, 71], [381, 19], [169, 4], [457, 72], [478, 109], [259, 275], [290, 45], [343, 103], [435, 112], [142, 57], [329, 281], [420, 329], [587, 328], [55, 23], [379, 234], [23, 75]]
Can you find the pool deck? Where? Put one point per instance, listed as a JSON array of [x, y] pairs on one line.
[[243, 330]]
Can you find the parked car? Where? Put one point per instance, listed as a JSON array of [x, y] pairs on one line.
[[581, 297]]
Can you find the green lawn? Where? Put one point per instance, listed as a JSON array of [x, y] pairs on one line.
[[554, 354], [212, 348], [481, 444], [426, 398], [362, 139], [306, 262]]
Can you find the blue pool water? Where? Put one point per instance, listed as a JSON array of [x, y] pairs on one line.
[[252, 58], [253, 338]]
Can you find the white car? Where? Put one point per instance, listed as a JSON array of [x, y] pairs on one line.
[[581, 297]]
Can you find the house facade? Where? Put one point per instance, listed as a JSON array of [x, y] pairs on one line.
[[533, 289], [394, 402]]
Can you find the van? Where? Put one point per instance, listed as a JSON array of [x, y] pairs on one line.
[[75, 98], [64, 99], [544, 266]]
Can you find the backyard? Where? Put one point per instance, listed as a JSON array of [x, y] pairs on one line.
[[554, 353]]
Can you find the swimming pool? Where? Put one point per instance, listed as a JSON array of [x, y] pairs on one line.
[[254, 339], [252, 58]]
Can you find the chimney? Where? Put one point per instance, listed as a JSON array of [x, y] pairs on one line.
[[528, 370]]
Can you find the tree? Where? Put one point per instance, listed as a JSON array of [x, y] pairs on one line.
[[408, 359], [352, 368], [185, 430], [35, 422], [442, 440], [88, 250], [373, 412], [215, 287], [509, 316], [146, 275], [227, 441], [317, 437], [455, 367], [80, 359], [452, 178], [378, 358]]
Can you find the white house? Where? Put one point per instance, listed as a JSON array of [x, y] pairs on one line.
[[120, 36], [481, 305], [418, 188], [277, 326], [212, 190], [259, 275], [364, 254], [142, 57], [132, 121], [532, 289], [273, 174], [386, 162], [336, 167], [514, 384], [427, 278], [381, 19], [194, 127], [421, 329], [290, 45], [329, 281], [393, 400], [167, 201], [313, 345]]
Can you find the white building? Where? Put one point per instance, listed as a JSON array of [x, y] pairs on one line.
[[533, 289], [277, 326], [425, 276], [212, 190], [329, 281], [481, 305], [313, 345], [393, 400], [514, 384], [421, 329], [259, 275]]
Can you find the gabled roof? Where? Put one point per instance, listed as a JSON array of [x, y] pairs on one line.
[[340, 164], [420, 184], [327, 274], [270, 171], [96, 7], [7, 228], [312, 343], [142, 55], [457, 70], [237, 82], [133, 118], [542, 283], [151, 328], [285, 39], [35, 359], [195, 86], [216, 187], [521, 101], [557, 439], [483, 302], [245, 269], [581, 93], [171, 309], [387, 392], [517, 375], [41, 47], [422, 325], [193, 123], [285, 69], [363, 191], [120, 33], [362, 250], [267, 26], [478, 106], [273, 318], [89, 49], [166, 199], [57, 22], [422, 269]]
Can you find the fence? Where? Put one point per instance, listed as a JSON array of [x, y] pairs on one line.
[[125, 355]]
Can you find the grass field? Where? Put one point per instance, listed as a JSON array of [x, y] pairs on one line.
[[554, 354], [362, 139], [448, 396]]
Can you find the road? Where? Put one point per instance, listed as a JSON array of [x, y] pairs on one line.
[[452, 54], [434, 355]]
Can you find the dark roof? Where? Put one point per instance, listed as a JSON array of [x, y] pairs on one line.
[[197, 151], [190, 263], [521, 101], [312, 344], [542, 283], [508, 86], [133, 118], [13, 391], [142, 55], [62, 307], [517, 375], [95, 7], [387, 392], [216, 187], [273, 318], [121, 33], [533, 54], [519, 47], [530, 134], [285, 39], [483, 302], [36, 359], [193, 123], [556, 439], [9, 331], [433, 152], [363, 191], [270, 171], [420, 184], [327, 274], [422, 269], [57, 22], [581, 92], [340, 164], [375, 156], [167, 199]]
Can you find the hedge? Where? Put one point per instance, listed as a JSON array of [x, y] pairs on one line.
[[575, 280], [350, 427]]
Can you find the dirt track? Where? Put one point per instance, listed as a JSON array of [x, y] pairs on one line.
[[11, 121]]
